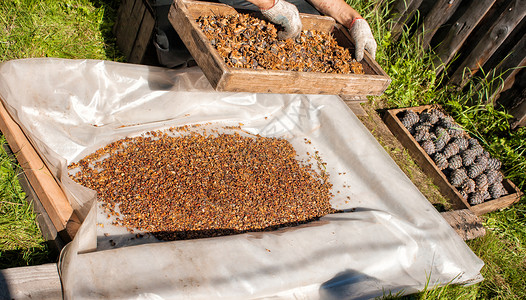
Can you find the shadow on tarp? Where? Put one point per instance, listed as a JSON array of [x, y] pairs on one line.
[[350, 284], [4, 288]]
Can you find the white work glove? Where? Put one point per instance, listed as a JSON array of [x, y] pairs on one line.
[[362, 37], [286, 15]]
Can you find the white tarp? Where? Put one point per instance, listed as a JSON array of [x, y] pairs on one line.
[[389, 238]]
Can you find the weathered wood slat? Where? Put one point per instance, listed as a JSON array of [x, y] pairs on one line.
[[130, 14], [143, 37], [46, 187], [36, 282], [460, 31], [439, 14], [465, 223], [496, 35]]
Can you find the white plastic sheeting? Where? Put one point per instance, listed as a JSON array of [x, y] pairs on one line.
[[389, 238]]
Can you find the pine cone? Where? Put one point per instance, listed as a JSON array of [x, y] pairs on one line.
[[475, 170], [473, 142], [476, 198], [450, 150], [462, 143], [481, 160], [494, 164], [447, 122], [421, 133], [457, 177], [493, 176], [468, 157], [441, 134], [464, 194], [440, 144], [440, 161], [455, 162], [429, 147], [477, 149], [437, 114], [485, 195], [482, 182], [469, 186], [409, 119], [497, 190]]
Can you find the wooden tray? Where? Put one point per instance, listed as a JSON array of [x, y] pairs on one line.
[[430, 168], [223, 78]]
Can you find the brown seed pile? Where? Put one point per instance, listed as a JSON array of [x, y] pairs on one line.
[[248, 42], [201, 185]]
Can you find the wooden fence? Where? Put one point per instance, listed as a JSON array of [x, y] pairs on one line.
[[473, 38]]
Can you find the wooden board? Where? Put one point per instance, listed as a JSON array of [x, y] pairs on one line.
[[47, 189], [36, 282], [223, 78], [465, 223], [440, 13], [429, 167], [489, 43]]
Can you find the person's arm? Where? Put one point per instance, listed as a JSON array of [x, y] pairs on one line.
[[344, 14], [282, 13]]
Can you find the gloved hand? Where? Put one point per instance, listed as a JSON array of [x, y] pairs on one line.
[[362, 37], [286, 15]]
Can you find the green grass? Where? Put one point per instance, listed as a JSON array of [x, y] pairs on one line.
[[31, 28]]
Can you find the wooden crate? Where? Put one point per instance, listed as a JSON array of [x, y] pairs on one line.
[[223, 78], [430, 168], [45, 186]]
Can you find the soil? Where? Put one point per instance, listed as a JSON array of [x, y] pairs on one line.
[[371, 117]]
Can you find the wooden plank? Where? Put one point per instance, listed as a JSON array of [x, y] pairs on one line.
[[429, 167], [143, 38], [460, 31], [223, 78], [129, 21], [519, 112], [439, 14], [496, 35], [465, 223], [402, 13], [36, 282], [46, 187]]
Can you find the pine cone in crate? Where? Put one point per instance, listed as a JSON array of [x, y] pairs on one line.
[[421, 133], [441, 134], [455, 162], [494, 163], [447, 122], [481, 182], [450, 150], [469, 186], [462, 143], [429, 147], [493, 176], [497, 190], [475, 170], [457, 177], [482, 160], [485, 195], [455, 131], [476, 198], [468, 157], [409, 119], [440, 161]]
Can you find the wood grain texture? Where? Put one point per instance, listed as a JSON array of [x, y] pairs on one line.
[[460, 31], [439, 14], [129, 18], [489, 43], [465, 223], [36, 282], [430, 168], [46, 187], [223, 78], [143, 37]]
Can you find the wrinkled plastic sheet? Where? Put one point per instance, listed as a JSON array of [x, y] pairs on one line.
[[388, 239]]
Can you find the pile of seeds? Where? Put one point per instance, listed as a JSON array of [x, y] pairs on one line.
[[201, 185], [466, 164], [248, 42]]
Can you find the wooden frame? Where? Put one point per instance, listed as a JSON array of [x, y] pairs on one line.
[[223, 78], [49, 192], [430, 168]]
